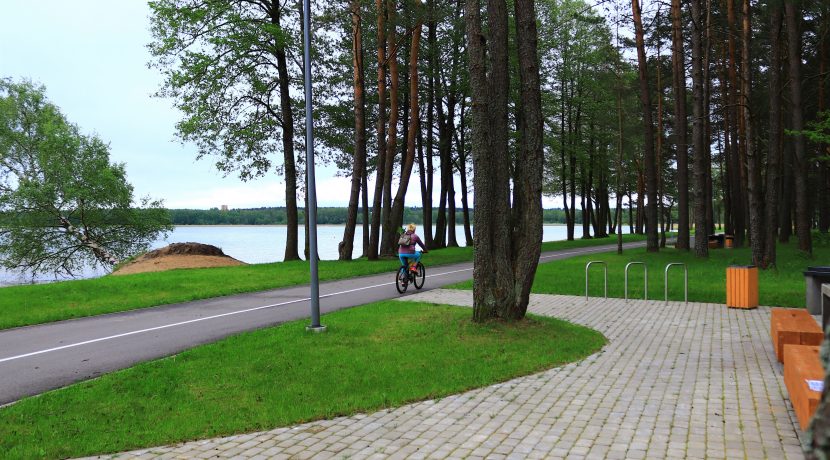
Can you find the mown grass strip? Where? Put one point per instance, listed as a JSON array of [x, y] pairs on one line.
[[377, 356], [782, 286], [41, 303]]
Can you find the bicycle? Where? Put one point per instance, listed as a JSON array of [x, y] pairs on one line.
[[404, 276]]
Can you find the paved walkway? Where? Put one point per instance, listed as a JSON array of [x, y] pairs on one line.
[[676, 381]]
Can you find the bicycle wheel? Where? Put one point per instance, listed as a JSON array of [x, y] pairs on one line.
[[420, 276], [401, 280]]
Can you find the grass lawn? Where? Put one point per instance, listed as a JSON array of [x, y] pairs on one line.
[[783, 286], [41, 303], [377, 356]]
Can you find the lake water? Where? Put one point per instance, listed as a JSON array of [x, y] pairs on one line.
[[260, 244]]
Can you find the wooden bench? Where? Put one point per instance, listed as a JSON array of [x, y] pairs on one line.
[[793, 326], [802, 363]]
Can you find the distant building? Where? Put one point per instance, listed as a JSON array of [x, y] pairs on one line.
[[224, 207]]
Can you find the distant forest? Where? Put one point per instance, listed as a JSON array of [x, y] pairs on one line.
[[331, 216]]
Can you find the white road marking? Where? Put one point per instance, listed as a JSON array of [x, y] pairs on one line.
[[206, 318], [182, 323]]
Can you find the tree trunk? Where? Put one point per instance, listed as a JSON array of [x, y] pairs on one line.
[[374, 239], [774, 151], [659, 149], [586, 233], [756, 206], [793, 17], [290, 170], [414, 117], [527, 190], [359, 159], [707, 125], [462, 170], [822, 148], [738, 199], [452, 239], [491, 272], [504, 268], [649, 156], [726, 152], [641, 215], [785, 208], [365, 209], [427, 175], [698, 132], [680, 126], [388, 246], [620, 167], [569, 223]]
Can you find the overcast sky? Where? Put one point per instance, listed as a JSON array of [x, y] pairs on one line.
[[91, 56]]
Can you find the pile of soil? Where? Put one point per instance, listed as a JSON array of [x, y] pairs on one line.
[[178, 255]]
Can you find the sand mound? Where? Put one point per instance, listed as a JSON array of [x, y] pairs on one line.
[[178, 255]]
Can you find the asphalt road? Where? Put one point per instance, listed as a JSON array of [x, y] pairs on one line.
[[36, 359]]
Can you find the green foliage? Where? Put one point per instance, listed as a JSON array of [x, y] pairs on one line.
[[415, 351], [63, 204], [819, 131], [218, 62], [583, 74]]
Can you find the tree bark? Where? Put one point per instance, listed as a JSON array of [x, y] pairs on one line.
[[738, 199], [649, 156], [822, 148], [680, 126], [374, 239], [292, 219], [802, 213], [527, 190], [491, 273], [388, 247], [659, 148], [462, 170], [504, 267], [774, 151], [452, 238], [756, 205], [620, 167], [726, 153], [698, 132], [414, 117], [569, 223], [427, 176], [365, 210], [359, 159]]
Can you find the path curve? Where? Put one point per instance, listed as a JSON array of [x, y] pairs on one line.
[[675, 381], [39, 358]]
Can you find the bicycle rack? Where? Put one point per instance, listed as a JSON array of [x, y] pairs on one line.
[[685, 281], [605, 272], [645, 278]]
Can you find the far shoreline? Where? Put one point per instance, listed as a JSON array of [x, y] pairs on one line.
[[301, 225]]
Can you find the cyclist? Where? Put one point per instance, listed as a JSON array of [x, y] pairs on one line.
[[407, 248]]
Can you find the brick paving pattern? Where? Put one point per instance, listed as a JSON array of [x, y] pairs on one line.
[[675, 381]]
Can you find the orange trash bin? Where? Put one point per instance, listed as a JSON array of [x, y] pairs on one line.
[[742, 286]]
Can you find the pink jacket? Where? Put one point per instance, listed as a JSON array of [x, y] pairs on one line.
[[411, 248]]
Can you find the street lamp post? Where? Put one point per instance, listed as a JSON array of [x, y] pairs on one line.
[[311, 187]]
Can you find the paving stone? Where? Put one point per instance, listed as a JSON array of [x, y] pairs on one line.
[[693, 380]]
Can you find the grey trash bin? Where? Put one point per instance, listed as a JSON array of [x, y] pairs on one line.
[[814, 277]]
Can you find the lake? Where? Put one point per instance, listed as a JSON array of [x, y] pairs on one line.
[[260, 244]]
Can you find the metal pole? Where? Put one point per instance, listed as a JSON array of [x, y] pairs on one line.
[[311, 187]]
